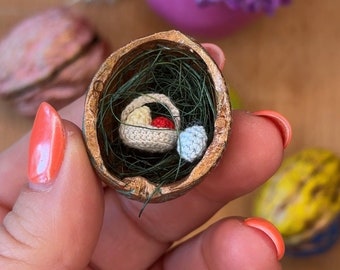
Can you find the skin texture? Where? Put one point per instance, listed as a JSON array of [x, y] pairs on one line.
[[66, 225]]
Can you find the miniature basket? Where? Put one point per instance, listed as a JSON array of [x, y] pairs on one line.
[[149, 138]]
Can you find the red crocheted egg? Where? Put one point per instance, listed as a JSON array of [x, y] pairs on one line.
[[162, 122]]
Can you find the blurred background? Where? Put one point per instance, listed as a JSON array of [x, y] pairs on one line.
[[287, 62]]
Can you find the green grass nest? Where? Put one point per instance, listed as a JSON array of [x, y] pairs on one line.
[[167, 68]]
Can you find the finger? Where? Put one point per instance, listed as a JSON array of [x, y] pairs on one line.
[[216, 53], [229, 244], [56, 221], [253, 153], [13, 161]]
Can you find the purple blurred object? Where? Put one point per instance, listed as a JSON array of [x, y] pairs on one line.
[[51, 57], [267, 6], [212, 18]]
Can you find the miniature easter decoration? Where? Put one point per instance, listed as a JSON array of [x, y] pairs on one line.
[[157, 117]]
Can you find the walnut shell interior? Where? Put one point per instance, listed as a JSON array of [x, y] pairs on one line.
[[138, 187]]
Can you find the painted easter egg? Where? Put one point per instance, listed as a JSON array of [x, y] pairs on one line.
[[303, 201]]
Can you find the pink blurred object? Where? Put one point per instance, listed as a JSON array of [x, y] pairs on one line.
[[211, 21], [51, 57]]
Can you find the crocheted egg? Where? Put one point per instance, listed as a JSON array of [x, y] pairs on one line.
[[192, 143], [162, 122], [51, 57], [139, 117]]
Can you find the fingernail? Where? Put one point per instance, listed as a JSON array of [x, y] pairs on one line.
[[46, 148], [280, 122], [270, 230]]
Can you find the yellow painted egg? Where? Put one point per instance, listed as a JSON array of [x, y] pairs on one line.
[[302, 200]]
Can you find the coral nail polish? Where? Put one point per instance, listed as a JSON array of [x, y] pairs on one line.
[[280, 122], [47, 145], [270, 230]]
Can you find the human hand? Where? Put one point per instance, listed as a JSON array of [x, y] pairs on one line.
[[65, 219]]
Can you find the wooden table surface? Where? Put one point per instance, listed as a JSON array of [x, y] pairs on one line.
[[288, 63]]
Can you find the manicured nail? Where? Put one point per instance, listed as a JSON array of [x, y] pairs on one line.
[[46, 149], [270, 230], [280, 122]]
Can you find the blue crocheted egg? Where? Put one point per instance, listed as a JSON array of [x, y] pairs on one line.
[[192, 143]]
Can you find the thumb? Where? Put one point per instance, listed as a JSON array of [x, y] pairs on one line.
[[56, 220]]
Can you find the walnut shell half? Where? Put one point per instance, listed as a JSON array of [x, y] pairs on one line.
[[174, 45], [51, 56]]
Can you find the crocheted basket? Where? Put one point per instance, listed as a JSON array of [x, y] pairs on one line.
[[106, 113], [146, 137]]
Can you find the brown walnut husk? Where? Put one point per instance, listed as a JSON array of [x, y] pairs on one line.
[[51, 56], [139, 188]]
